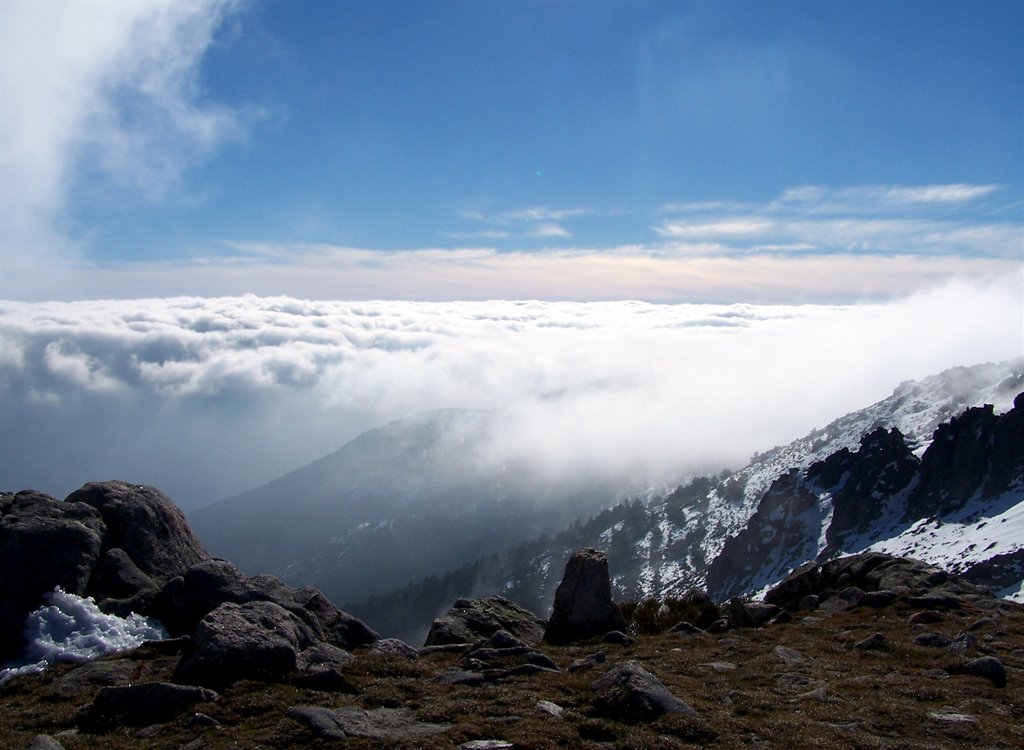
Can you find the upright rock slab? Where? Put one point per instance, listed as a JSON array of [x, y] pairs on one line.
[[583, 601]]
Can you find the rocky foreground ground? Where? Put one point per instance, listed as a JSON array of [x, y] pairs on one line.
[[868, 651]]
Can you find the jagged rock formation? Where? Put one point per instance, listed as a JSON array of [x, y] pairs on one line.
[[583, 605]]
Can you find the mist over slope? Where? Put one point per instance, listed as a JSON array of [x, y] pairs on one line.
[[676, 542], [418, 496]]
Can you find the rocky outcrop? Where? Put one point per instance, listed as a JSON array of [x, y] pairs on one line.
[[861, 482], [129, 547], [43, 543], [583, 605], [470, 620], [923, 586], [144, 523], [975, 454]]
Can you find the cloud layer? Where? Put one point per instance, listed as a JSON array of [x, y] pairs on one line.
[[206, 397]]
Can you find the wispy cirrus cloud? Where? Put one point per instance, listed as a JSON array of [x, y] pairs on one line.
[[873, 219]]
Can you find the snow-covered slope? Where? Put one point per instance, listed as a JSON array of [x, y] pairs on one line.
[[668, 545]]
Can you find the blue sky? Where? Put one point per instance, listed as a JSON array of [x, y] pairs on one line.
[[706, 151]]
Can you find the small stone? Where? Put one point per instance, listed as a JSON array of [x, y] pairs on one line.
[[486, 745], [203, 720], [553, 709], [394, 647], [933, 640], [952, 718], [459, 677], [878, 599], [44, 742], [720, 666], [808, 602], [926, 617], [588, 662], [618, 638], [935, 674], [818, 694], [984, 622], [874, 642], [934, 601], [789, 657], [963, 643], [685, 628], [148, 733], [784, 617]]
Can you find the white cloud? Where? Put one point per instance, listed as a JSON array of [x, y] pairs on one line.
[[109, 85], [204, 397]]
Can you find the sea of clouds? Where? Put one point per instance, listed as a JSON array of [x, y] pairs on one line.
[[207, 397]]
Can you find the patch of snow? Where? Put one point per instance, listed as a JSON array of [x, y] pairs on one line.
[[977, 534], [73, 629]]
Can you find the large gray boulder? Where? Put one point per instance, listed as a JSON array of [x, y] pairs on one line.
[[43, 543], [628, 692], [470, 620], [257, 640], [146, 524], [583, 601]]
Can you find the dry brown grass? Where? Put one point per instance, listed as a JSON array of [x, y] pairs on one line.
[[873, 699]]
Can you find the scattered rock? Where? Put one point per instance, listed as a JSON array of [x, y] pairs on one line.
[[376, 724], [394, 647], [935, 674], [588, 662], [963, 643], [988, 667], [472, 619], [934, 601], [486, 745], [618, 638], [720, 666], [44, 742], [984, 622], [201, 720], [685, 628], [104, 673], [933, 640], [552, 709], [952, 717], [926, 617], [790, 658], [791, 682], [878, 599], [628, 692], [874, 642], [818, 694], [459, 677], [145, 703], [583, 605]]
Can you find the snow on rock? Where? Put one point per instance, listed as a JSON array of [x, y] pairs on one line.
[[73, 629]]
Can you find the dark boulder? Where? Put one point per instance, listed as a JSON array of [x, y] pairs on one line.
[[146, 524], [627, 692], [257, 640], [144, 704], [116, 576], [470, 620], [44, 543], [988, 667], [186, 600], [583, 605]]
